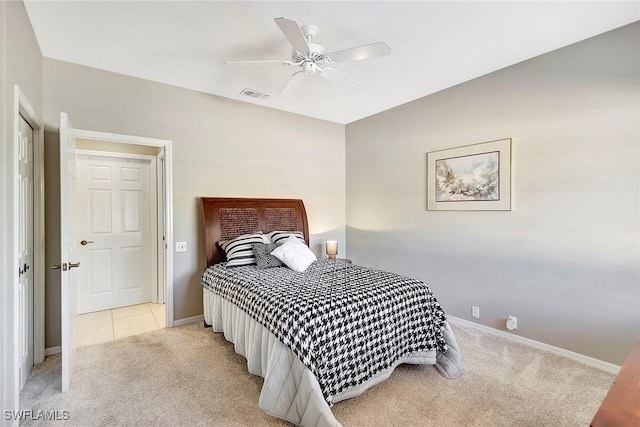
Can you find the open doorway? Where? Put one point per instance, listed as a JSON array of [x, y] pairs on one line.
[[119, 197]]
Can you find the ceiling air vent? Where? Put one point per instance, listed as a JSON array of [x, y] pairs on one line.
[[254, 94]]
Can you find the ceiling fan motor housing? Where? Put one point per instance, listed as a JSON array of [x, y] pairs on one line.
[[315, 54]]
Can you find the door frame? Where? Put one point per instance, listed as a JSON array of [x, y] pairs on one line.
[[161, 221], [11, 306], [166, 151], [156, 228]]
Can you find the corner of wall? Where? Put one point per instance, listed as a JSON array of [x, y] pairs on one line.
[[8, 399], [20, 64]]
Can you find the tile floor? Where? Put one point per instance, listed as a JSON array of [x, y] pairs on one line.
[[109, 325]]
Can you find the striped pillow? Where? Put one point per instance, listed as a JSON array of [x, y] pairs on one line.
[[239, 250], [279, 237]]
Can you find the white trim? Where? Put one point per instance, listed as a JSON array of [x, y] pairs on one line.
[[189, 320], [168, 217], [120, 138], [166, 146], [153, 228], [589, 361], [115, 154], [161, 286], [50, 351]]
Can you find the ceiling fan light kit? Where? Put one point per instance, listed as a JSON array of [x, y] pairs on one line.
[[309, 56]]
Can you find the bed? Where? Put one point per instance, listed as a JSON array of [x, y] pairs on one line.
[[320, 335]]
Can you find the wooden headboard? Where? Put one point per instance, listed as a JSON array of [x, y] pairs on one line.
[[227, 218]]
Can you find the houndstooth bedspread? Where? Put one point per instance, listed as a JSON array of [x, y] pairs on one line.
[[345, 322]]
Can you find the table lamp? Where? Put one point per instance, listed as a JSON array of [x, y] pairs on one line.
[[332, 249]]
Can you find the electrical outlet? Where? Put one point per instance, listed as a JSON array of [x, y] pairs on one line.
[[512, 323], [181, 246], [475, 312]]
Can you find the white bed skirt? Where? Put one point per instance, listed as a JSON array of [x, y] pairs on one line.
[[290, 391]]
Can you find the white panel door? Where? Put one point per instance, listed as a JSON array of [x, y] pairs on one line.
[[113, 200], [25, 244], [68, 250]]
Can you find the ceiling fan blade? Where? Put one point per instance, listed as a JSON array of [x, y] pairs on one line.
[[333, 70], [360, 52], [293, 33], [265, 61], [292, 83]]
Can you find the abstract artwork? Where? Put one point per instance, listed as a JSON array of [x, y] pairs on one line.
[[474, 177]]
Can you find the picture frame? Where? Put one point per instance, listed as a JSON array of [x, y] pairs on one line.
[[470, 178]]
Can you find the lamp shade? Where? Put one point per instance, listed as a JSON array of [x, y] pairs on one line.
[[332, 248]]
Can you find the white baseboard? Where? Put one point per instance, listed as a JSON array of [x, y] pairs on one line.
[[52, 350], [189, 320], [590, 361]]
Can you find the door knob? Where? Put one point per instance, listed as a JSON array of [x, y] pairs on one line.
[[74, 265], [85, 242]]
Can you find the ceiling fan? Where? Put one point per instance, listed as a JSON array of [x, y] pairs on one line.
[[311, 57]]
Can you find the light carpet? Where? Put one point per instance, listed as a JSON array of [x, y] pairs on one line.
[[190, 376]]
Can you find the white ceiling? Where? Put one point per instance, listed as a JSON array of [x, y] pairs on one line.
[[435, 45]]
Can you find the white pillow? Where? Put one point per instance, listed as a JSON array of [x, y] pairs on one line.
[[294, 254]]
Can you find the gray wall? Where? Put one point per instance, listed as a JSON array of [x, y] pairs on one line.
[[565, 260], [21, 64], [221, 148]]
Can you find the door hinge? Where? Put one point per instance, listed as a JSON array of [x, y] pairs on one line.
[[23, 270]]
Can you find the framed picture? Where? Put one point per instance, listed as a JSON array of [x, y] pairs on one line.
[[471, 178]]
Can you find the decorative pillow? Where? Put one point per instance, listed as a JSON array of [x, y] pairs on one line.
[[279, 237], [264, 259], [295, 254], [239, 251]]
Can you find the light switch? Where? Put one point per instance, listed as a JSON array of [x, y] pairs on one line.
[[181, 246]]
